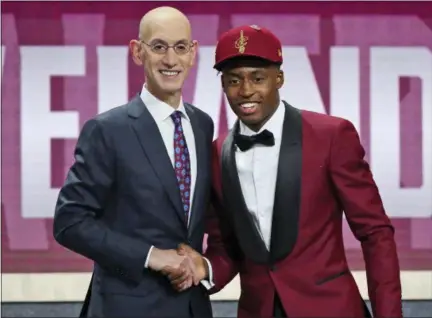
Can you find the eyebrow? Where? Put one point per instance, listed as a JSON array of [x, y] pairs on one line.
[[231, 73], [163, 41]]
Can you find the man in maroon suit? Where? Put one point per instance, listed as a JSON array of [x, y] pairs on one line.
[[284, 177]]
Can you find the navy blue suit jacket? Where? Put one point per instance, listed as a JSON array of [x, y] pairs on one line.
[[120, 197]]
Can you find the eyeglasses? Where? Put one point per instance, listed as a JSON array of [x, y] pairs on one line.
[[162, 48]]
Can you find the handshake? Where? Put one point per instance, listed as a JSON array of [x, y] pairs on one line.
[[184, 267]]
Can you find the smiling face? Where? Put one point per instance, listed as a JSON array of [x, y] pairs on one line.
[[166, 52], [252, 90]]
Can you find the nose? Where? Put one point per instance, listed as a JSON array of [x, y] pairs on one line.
[[246, 89], [170, 58]]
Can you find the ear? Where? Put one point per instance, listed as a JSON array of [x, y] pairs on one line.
[[280, 79], [136, 50], [194, 51], [222, 82]]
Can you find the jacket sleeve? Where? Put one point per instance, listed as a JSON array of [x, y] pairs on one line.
[[82, 201], [222, 248], [367, 219]]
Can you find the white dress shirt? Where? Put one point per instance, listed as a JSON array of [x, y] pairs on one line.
[[161, 112], [257, 170]]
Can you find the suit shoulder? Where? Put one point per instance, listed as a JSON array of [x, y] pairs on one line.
[[112, 115], [324, 122], [109, 118], [199, 112], [106, 122]]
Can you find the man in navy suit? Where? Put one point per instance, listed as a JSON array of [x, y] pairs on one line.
[[140, 184]]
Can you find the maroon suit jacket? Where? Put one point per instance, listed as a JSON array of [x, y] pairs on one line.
[[321, 174]]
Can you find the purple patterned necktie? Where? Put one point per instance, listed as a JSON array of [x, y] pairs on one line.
[[182, 163]]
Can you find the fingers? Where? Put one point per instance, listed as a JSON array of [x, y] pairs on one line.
[[170, 271], [183, 282], [196, 280], [179, 277], [185, 274], [183, 277], [187, 283], [183, 249], [195, 264], [183, 246]]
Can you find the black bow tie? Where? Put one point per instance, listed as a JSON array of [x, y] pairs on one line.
[[246, 142]]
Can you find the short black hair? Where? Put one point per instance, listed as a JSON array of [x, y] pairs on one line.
[[245, 61]]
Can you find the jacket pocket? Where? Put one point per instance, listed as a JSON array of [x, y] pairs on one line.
[[331, 277]]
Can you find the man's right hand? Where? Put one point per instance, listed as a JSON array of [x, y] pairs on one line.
[[160, 259], [201, 270], [171, 263], [194, 262]]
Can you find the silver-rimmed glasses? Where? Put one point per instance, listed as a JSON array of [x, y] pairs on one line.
[[180, 48]]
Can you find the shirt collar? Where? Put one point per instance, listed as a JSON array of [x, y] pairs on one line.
[[274, 124], [159, 109]]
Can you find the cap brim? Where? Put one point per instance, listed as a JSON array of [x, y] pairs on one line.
[[235, 60]]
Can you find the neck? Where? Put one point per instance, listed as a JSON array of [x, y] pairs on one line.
[[171, 98], [256, 127]]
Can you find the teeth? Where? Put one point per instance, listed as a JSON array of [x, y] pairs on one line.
[[248, 105], [169, 73]]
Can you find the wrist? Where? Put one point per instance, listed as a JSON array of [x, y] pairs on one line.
[[205, 269], [155, 259]]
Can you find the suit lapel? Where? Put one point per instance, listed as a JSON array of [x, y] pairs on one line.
[[247, 233], [286, 209], [153, 146], [200, 147]]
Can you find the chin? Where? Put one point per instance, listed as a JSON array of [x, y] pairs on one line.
[[250, 123], [170, 88], [175, 83], [254, 119]]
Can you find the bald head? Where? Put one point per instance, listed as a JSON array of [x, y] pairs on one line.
[[164, 18], [166, 51]]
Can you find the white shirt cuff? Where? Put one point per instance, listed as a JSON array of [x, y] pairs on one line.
[[148, 257], [208, 283]]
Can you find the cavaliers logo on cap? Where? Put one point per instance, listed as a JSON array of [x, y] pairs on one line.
[[241, 43]]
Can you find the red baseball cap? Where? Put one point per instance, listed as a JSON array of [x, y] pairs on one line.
[[248, 41]]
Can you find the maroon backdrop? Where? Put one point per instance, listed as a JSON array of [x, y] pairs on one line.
[[27, 244]]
